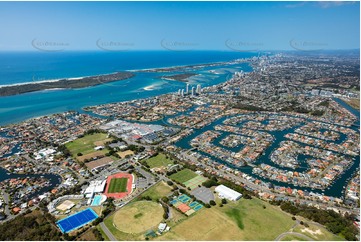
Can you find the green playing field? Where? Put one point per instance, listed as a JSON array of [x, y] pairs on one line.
[[118, 185]]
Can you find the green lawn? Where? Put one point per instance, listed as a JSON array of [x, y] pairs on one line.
[[118, 185], [158, 191], [251, 218], [243, 220], [159, 161], [121, 236], [316, 232], [86, 144], [183, 176], [292, 237]]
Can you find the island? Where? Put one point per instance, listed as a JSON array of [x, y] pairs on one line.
[[183, 77], [64, 83]]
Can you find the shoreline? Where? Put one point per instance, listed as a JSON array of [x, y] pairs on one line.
[[66, 83], [48, 80], [200, 65], [352, 102], [155, 69], [185, 65], [179, 77]]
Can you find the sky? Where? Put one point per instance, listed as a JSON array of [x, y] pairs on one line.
[[239, 26]]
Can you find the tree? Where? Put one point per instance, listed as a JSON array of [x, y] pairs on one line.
[[210, 183], [170, 183], [212, 202], [224, 201]]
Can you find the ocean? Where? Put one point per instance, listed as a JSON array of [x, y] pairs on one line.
[[27, 67], [22, 67]]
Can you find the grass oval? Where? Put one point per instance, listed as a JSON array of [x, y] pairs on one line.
[[138, 217]]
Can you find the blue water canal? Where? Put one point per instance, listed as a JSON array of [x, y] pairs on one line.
[[18, 108], [335, 190]]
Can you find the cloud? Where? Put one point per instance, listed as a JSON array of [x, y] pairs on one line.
[[320, 4], [295, 5], [333, 4]]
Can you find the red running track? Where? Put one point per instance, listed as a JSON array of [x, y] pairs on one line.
[[119, 195]]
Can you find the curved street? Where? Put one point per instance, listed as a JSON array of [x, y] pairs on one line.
[[292, 233]]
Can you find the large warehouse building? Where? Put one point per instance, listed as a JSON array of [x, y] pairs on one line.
[[228, 193]]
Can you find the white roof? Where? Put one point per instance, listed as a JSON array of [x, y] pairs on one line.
[[162, 226], [95, 187], [228, 192]]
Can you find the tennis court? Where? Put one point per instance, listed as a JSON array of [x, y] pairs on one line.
[[184, 198], [193, 204], [194, 182], [77, 220], [174, 201], [190, 212], [183, 208], [199, 206]]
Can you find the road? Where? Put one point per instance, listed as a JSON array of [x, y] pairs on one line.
[[9, 216], [292, 233], [107, 232], [6, 202], [185, 157]]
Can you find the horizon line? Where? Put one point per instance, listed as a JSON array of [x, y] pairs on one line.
[[166, 50]]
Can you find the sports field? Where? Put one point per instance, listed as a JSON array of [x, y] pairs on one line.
[[118, 185], [159, 161], [138, 217], [158, 191], [241, 220], [123, 154], [194, 182], [183, 175], [89, 156], [76, 220], [86, 144]]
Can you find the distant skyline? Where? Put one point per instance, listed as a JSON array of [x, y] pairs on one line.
[[179, 26]]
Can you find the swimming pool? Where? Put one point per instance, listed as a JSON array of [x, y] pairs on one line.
[[97, 200]]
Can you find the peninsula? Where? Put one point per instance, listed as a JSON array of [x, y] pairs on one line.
[[64, 83]]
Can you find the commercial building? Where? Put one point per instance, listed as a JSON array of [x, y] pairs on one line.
[[96, 186], [228, 193], [193, 91], [199, 89]]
